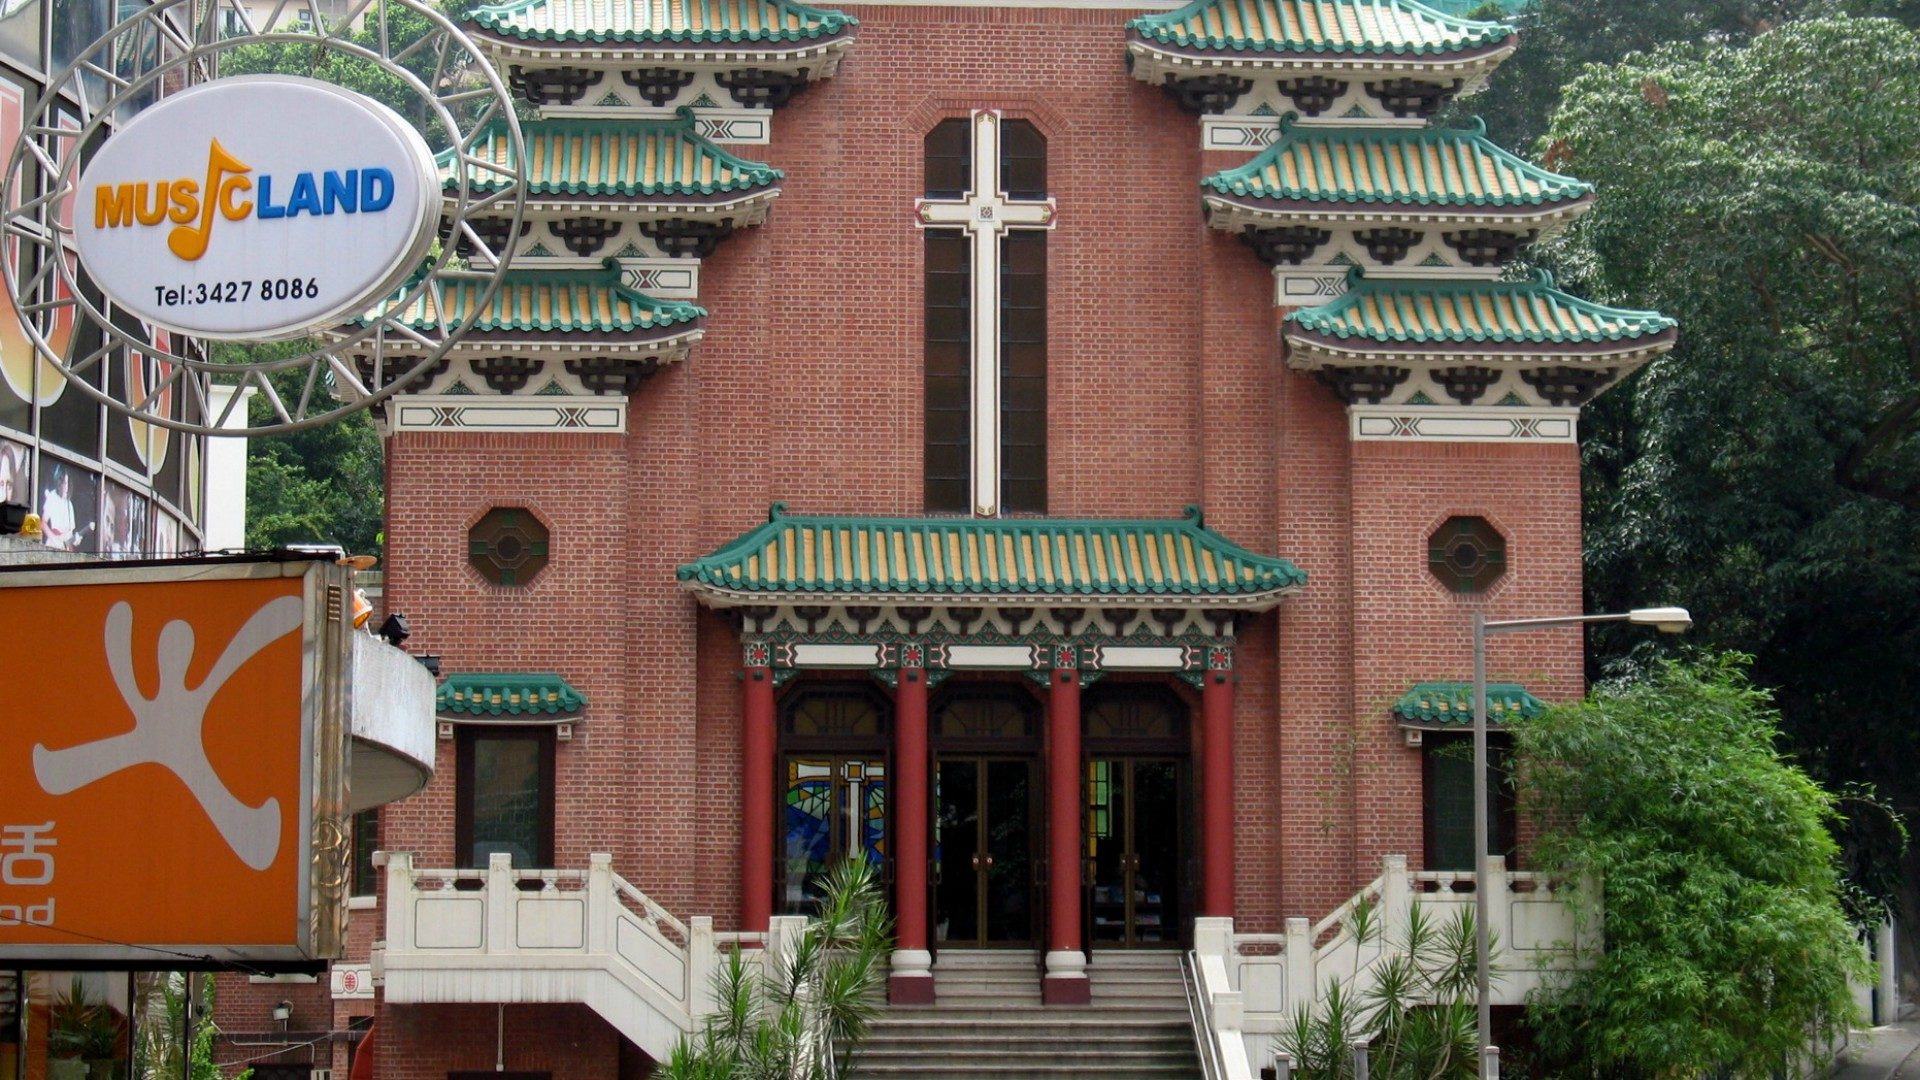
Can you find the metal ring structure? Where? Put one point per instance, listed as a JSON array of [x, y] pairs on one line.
[[172, 44]]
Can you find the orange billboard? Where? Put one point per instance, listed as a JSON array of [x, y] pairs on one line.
[[173, 737]]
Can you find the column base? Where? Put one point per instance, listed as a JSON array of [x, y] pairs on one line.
[[1066, 982], [1066, 990], [909, 989], [911, 981]]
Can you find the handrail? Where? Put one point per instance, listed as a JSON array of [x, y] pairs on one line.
[[1200, 1014], [1338, 916]]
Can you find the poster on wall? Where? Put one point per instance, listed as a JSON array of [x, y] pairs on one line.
[[166, 536], [16, 461], [69, 506], [16, 352], [123, 523]]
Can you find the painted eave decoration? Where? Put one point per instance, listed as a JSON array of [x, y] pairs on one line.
[[1448, 706], [565, 310], [1316, 175], [1367, 35], [594, 162], [495, 694], [1448, 321], [1006, 560], [655, 21]]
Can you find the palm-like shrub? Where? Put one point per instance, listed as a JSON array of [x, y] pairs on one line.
[[800, 1017], [1418, 1017]]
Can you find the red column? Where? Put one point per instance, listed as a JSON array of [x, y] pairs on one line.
[[1216, 787], [911, 982], [756, 799], [1066, 981]]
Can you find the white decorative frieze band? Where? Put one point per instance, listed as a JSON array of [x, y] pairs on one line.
[[1446, 423], [857, 656], [663, 279], [1308, 288], [738, 126], [587, 415], [989, 656], [1247, 133], [1141, 657]]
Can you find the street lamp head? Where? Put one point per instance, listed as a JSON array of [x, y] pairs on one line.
[[1667, 620]]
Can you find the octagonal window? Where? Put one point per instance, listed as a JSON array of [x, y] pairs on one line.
[[1467, 554], [508, 546]]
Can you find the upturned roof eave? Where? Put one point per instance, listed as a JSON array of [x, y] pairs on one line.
[[645, 49], [719, 596], [751, 204], [1308, 349], [1470, 59], [1231, 212]]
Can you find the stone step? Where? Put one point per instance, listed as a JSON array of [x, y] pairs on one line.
[[974, 1070]]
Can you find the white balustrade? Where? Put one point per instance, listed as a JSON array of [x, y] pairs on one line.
[[586, 937], [1256, 982]]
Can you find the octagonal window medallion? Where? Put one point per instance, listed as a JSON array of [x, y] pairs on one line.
[[508, 546], [1467, 554]]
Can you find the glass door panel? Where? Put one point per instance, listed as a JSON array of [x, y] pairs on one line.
[[983, 844], [1136, 851]]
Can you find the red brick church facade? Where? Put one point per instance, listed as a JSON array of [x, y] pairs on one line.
[[1232, 682]]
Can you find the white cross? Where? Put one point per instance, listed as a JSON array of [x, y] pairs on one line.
[[985, 213]]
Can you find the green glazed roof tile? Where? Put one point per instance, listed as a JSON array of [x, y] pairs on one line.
[[634, 159], [1450, 704], [696, 22], [1450, 167], [991, 557], [1488, 312], [1319, 27], [557, 301], [509, 694]]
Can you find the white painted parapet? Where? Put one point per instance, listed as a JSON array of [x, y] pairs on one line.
[[1267, 977], [566, 936]]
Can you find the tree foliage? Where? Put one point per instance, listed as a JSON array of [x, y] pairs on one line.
[[1560, 38], [1767, 473], [1727, 950], [324, 485]]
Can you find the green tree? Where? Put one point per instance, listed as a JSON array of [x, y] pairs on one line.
[[1559, 38], [1726, 947], [324, 485], [1767, 473]]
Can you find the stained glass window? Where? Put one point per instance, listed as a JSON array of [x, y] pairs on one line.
[[835, 807]]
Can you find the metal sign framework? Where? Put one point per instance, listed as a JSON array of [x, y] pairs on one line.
[[172, 44]]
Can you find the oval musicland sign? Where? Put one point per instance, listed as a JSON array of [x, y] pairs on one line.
[[257, 207]]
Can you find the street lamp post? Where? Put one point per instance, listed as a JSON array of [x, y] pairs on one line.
[[1668, 620]]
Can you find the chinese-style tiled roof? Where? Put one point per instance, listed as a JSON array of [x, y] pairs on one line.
[[559, 301], [688, 22], [1394, 28], [918, 559], [507, 694], [1490, 313], [1450, 704], [1422, 167], [627, 158]]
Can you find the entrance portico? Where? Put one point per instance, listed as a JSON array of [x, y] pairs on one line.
[[989, 634]]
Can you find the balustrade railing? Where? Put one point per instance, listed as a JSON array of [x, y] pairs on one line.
[[586, 936]]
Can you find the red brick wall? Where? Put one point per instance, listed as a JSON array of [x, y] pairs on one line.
[[1408, 627], [425, 1042]]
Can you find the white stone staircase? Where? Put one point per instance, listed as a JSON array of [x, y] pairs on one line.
[[988, 1023]]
